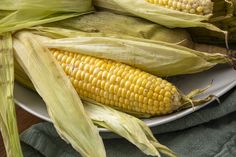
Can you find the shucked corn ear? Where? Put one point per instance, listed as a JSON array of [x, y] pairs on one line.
[[118, 85], [200, 7]]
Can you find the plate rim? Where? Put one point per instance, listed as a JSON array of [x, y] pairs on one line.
[[149, 124]]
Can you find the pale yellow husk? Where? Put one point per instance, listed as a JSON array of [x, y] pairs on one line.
[[64, 105], [156, 57], [8, 124], [20, 14], [129, 127], [121, 25]]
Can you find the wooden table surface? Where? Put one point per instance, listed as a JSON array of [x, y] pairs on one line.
[[24, 120]]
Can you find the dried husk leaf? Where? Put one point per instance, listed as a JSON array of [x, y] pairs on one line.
[[99, 24], [63, 103], [121, 25], [156, 57], [8, 124], [27, 13], [129, 127]]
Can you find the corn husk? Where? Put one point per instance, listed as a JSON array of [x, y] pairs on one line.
[[156, 57], [224, 18], [158, 14], [121, 25], [15, 15], [120, 123], [223, 10], [64, 105], [8, 124], [209, 37], [129, 127], [99, 24]]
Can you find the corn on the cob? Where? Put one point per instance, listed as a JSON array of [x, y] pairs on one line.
[[201, 7], [118, 85]]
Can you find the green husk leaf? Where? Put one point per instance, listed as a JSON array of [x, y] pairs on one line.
[[110, 6], [8, 124], [158, 14], [101, 23], [63, 103], [156, 57], [27, 13], [8, 5]]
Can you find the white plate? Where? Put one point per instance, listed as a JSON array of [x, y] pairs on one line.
[[224, 78]]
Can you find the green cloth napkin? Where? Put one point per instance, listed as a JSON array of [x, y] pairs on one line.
[[209, 132]]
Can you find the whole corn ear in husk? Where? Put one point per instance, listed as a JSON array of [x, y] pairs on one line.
[[121, 86], [99, 24], [64, 105], [166, 14], [121, 25], [8, 124], [156, 57], [124, 125], [16, 15], [116, 121]]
